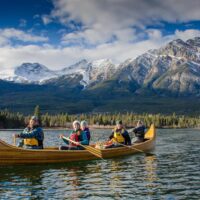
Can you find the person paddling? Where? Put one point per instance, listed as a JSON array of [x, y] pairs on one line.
[[78, 136], [32, 135], [119, 136], [139, 131]]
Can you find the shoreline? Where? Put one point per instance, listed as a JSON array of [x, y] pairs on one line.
[[97, 127]]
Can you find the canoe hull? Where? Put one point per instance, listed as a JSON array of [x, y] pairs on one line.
[[11, 155]]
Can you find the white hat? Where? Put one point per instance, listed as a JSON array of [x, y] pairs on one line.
[[76, 122], [34, 118], [84, 123]]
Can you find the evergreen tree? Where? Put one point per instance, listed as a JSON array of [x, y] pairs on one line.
[[37, 113]]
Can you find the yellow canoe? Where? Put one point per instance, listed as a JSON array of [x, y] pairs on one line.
[[10, 154]]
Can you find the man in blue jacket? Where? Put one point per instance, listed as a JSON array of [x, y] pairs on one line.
[[32, 135]]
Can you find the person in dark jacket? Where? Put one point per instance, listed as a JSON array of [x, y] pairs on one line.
[[85, 128], [32, 135], [139, 131], [119, 136]]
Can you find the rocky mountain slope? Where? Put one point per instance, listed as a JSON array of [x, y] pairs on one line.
[[172, 69]]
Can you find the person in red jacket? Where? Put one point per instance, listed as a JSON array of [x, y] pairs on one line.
[[78, 136]]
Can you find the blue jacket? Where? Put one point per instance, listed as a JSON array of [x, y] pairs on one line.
[[139, 131], [83, 138], [36, 133], [87, 131]]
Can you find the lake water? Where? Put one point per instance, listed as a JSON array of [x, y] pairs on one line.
[[172, 172]]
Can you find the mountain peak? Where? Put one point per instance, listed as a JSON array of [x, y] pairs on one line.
[[33, 72], [178, 42], [174, 67], [34, 67], [101, 62], [83, 61], [194, 42]]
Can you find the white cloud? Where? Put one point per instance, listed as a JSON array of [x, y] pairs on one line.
[[113, 29], [105, 19], [46, 19], [9, 34], [187, 34], [57, 58], [154, 34], [97, 37]]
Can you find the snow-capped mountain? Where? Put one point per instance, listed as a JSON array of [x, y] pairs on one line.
[[34, 72], [30, 73], [101, 70], [174, 67], [39, 74]]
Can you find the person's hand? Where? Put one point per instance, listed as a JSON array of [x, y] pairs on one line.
[[61, 136], [77, 143]]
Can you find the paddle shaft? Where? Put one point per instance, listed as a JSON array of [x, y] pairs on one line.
[[74, 142], [90, 149], [14, 140], [130, 147]]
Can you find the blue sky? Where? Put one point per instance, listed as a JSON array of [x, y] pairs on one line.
[[14, 10], [58, 33]]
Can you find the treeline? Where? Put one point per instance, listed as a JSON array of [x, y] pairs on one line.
[[17, 120], [11, 120]]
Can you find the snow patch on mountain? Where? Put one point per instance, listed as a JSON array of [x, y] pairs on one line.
[[34, 72], [174, 66]]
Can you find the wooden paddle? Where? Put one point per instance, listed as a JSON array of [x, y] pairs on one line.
[[90, 149], [130, 147], [14, 140]]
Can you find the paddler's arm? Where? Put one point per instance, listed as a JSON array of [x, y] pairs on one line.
[[65, 141], [18, 135], [112, 135], [127, 138], [34, 134]]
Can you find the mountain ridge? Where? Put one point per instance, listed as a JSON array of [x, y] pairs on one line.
[[144, 71], [156, 81]]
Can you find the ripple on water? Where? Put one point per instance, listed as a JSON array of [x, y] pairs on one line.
[[172, 171]]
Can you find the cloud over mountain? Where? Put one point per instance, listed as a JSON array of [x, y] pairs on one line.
[[96, 29], [101, 21], [7, 35]]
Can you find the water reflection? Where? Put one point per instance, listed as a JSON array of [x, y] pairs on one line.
[[151, 176], [173, 172], [17, 181], [116, 178]]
